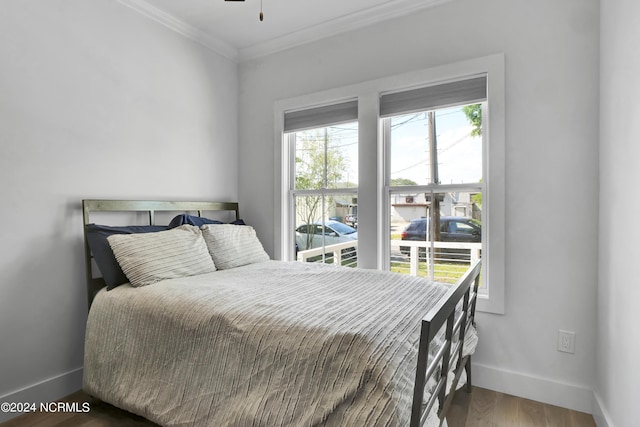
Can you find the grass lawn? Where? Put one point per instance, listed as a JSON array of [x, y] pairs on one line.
[[447, 272]]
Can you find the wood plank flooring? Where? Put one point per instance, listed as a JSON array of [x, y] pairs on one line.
[[489, 408], [480, 408], [100, 415]]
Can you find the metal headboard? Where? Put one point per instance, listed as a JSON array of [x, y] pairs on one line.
[[146, 206]]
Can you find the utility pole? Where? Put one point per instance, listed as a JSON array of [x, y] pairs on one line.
[[435, 179]]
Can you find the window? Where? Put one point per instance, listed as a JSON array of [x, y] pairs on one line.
[[449, 190], [435, 152], [323, 143]]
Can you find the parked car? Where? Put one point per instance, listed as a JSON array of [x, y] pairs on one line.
[[309, 236], [452, 229]]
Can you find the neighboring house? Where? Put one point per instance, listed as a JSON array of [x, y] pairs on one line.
[[408, 207]]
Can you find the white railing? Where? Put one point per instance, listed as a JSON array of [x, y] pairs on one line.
[[336, 250], [414, 246]]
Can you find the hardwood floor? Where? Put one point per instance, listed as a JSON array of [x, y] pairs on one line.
[[489, 408], [100, 415], [480, 408]]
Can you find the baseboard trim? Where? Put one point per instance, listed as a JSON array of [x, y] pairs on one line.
[[44, 391], [600, 414], [540, 389]]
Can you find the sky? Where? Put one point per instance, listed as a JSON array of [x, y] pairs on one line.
[[459, 154]]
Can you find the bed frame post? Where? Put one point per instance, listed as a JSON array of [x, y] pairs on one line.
[[472, 313], [87, 254], [421, 373]]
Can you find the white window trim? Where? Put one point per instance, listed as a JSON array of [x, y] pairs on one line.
[[372, 196]]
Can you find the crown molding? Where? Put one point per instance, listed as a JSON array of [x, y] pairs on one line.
[[337, 26], [182, 28], [332, 27]]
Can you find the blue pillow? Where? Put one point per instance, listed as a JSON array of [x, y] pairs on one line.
[[191, 220], [103, 255]]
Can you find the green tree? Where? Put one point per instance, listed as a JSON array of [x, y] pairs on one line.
[[311, 171], [476, 198], [474, 115], [316, 169]]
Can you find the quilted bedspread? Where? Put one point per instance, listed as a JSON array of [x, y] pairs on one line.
[[268, 344]]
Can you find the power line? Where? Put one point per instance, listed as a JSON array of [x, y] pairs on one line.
[[426, 160]]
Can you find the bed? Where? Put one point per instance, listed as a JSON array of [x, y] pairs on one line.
[[256, 342]]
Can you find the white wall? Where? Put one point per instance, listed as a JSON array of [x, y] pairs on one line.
[[96, 101], [618, 382], [551, 54]]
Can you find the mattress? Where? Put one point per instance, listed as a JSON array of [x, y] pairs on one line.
[[267, 344]]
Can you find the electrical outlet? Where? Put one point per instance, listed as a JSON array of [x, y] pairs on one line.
[[566, 341]]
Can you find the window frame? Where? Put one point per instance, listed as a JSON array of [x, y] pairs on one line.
[[373, 200], [437, 188], [289, 139]]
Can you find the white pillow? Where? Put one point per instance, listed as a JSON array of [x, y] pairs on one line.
[[233, 245], [147, 258]]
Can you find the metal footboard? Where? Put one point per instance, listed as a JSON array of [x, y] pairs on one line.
[[455, 324]]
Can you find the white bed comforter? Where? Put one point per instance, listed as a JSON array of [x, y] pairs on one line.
[[268, 344]]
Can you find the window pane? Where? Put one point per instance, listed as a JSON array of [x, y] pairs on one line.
[[458, 154], [321, 234], [327, 157], [443, 251]]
